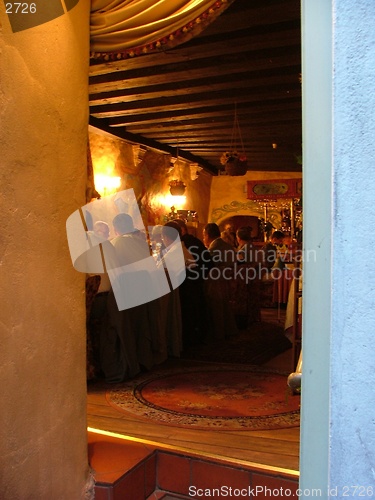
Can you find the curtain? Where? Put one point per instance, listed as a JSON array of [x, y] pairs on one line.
[[125, 28]]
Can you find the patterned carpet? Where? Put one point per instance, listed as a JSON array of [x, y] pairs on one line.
[[216, 396]]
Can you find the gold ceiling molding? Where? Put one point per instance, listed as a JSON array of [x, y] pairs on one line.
[[234, 207], [246, 208]]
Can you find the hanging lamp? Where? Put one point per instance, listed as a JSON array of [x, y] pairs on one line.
[[235, 160], [177, 186]]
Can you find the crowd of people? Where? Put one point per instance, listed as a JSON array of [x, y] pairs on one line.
[[217, 293]]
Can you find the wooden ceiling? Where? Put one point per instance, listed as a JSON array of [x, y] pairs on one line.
[[248, 62]]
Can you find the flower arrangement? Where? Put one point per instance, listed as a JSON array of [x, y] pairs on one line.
[[235, 163], [177, 187], [232, 156]]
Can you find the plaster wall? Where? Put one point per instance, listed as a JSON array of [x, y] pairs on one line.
[[43, 138], [148, 174], [352, 427]]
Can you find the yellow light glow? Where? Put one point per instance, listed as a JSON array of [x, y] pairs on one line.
[[106, 184], [174, 201]]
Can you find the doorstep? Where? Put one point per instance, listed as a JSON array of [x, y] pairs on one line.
[[126, 468]]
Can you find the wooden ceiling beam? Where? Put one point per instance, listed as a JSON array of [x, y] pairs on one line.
[[220, 129], [274, 114], [238, 50], [184, 107], [248, 81], [220, 98], [244, 13], [197, 114], [249, 59], [210, 69]]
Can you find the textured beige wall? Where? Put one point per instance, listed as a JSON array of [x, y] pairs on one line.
[[43, 131], [148, 177]]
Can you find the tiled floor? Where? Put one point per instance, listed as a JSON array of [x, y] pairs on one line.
[[129, 470], [162, 495]]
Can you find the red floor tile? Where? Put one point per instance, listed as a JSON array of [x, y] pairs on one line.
[[173, 472], [272, 486], [131, 486], [111, 458], [206, 475]]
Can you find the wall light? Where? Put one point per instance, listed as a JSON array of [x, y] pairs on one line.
[[106, 184], [176, 201]]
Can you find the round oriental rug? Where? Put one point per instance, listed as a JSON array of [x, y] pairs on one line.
[[218, 397]]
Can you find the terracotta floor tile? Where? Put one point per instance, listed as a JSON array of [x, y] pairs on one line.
[[150, 474], [162, 495], [211, 475], [111, 457], [272, 486], [173, 472], [102, 493], [131, 486]]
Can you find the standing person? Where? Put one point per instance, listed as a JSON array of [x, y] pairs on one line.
[[229, 235], [157, 245], [100, 236], [180, 298], [195, 246], [193, 301], [101, 230], [221, 251], [130, 243], [96, 303], [274, 252], [246, 252], [247, 283], [217, 286], [128, 346], [169, 234]]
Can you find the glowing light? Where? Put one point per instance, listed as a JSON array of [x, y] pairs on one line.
[[174, 201], [106, 184], [105, 179]]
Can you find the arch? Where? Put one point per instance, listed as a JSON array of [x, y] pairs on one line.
[[247, 208]]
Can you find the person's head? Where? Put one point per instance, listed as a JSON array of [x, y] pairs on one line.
[[229, 228], [277, 238], [244, 234], [169, 233], [211, 231], [101, 229], [123, 224], [183, 226]]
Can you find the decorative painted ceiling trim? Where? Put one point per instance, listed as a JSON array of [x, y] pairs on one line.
[[245, 208], [121, 29], [233, 207]]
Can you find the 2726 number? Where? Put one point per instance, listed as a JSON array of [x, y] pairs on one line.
[[357, 491], [19, 7]]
